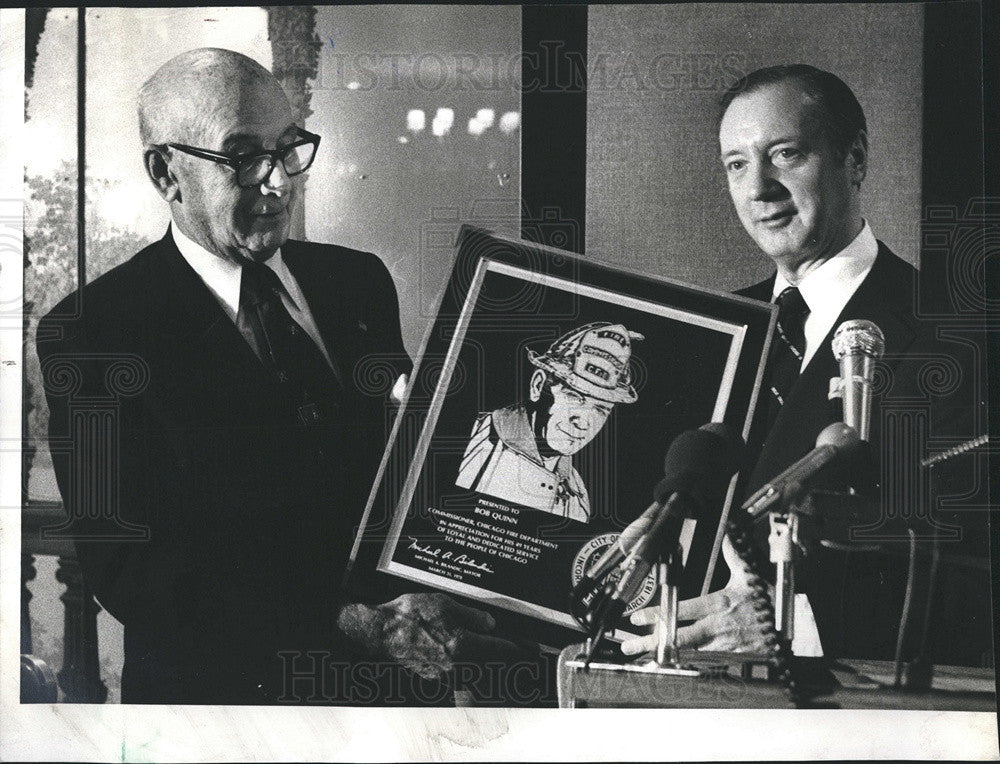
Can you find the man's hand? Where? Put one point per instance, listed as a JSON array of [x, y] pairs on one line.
[[426, 633], [723, 620]]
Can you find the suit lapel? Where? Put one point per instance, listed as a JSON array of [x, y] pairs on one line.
[[195, 315], [204, 332], [326, 303], [877, 299], [883, 299], [760, 291], [201, 356], [886, 298]]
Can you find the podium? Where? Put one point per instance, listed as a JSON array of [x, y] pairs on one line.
[[729, 680]]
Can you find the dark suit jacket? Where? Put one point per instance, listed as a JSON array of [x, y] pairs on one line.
[[174, 428], [923, 388]]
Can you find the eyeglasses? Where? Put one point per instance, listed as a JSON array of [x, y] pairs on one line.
[[253, 169]]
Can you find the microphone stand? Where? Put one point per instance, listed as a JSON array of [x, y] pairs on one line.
[[610, 608], [792, 522], [782, 541], [668, 572]]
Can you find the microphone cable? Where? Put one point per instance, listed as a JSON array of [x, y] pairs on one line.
[[739, 528]]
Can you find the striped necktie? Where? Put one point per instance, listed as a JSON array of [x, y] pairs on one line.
[[787, 350]]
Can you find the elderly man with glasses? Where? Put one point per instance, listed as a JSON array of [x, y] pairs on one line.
[[240, 452]]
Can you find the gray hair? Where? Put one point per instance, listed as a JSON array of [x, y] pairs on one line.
[[179, 101]]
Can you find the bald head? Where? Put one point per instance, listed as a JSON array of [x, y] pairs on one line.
[[219, 101], [183, 99]]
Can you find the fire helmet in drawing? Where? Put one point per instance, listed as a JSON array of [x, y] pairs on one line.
[[593, 360]]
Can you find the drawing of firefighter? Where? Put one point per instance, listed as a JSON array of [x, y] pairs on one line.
[[524, 453]]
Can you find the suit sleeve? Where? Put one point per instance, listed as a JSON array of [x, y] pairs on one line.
[[383, 310], [99, 452]]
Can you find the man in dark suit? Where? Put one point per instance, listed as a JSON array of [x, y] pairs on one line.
[[223, 437], [794, 145]]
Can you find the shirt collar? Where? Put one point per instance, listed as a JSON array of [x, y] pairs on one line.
[[220, 275], [832, 283], [827, 289], [277, 264]]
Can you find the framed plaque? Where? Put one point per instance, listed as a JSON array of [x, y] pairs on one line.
[[546, 395]]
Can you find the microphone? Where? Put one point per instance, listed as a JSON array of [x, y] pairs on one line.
[[697, 469], [620, 549], [699, 464], [857, 345], [835, 443], [618, 592], [590, 584]]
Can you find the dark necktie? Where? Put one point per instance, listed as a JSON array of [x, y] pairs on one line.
[[787, 349], [305, 379]]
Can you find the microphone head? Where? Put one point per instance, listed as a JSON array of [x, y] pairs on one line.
[[838, 435], [852, 454], [700, 462], [730, 440], [858, 336]]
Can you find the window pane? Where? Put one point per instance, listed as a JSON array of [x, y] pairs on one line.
[[50, 217], [419, 109]]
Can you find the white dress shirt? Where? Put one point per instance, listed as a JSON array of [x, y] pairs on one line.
[[223, 278], [827, 289]]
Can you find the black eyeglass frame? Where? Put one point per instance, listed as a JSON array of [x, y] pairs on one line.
[[236, 161]]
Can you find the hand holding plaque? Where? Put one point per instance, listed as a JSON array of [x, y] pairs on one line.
[[426, 633]]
